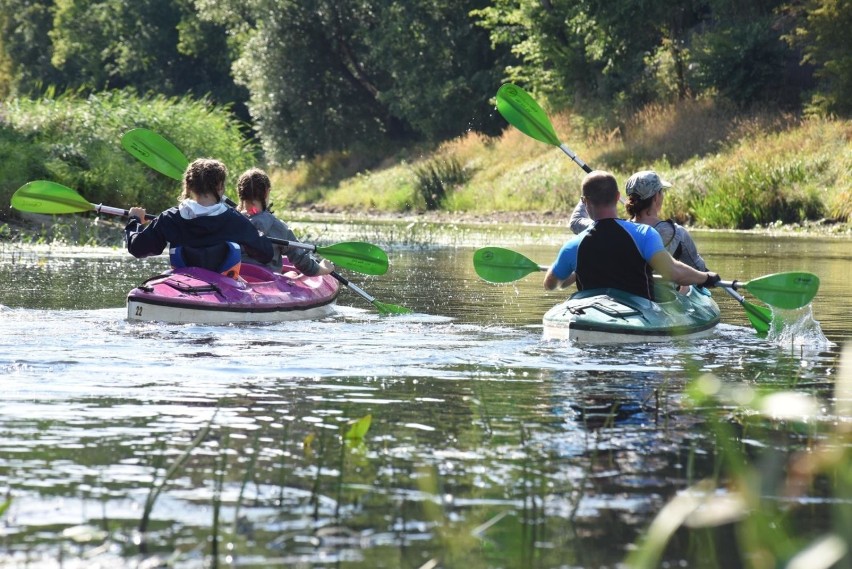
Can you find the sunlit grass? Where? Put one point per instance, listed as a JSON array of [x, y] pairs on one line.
[[729, 169], [76, 140]]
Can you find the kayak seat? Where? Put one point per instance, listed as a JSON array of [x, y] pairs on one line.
[[223, 258]]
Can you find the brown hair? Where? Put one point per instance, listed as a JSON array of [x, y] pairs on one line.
[[252, 186], [203, 177], [636, 205], [600, 188]]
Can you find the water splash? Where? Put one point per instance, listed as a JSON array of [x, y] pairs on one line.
[[797, 328]]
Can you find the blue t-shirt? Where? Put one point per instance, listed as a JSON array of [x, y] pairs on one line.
[[612, 253]]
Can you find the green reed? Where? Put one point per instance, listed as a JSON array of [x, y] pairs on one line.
[[753, 194], [75, 140], [158, 486], [745, 514]]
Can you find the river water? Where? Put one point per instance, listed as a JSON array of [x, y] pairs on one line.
[[147, 445]]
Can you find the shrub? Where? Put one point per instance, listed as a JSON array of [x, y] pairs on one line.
[[437, 177], [759, 194], [75, 141]]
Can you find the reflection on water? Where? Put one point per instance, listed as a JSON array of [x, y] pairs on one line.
[[488, 447]]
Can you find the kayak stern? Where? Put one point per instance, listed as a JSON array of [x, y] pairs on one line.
[[612, 316]]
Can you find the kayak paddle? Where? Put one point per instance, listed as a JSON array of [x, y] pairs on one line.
[[760, 317], [42, 196], [781, 290], [156, 152], [364, 258], [498, 265], [382, 307], [522, 112]]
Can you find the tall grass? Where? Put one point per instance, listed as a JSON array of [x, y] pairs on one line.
[[437, 178], [730, 169]]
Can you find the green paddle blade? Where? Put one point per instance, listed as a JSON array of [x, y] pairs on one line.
[[42, 196], [785, 290], [385, 308], [364, 258], [760, 317], [522, 112], [498, 265], [155, 151]]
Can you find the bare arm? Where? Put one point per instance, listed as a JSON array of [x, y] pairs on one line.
[[680, 273], [552, 282]]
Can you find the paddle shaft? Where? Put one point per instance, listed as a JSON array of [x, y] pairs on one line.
[[352, 286], [586, 168], [296, 244], [117, 211], [730, 288], [760, 318]]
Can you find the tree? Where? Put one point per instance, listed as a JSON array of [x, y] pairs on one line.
[[823, 35], [156, 46], [334, 75], [24, 29], [591, 49], [628, 52]]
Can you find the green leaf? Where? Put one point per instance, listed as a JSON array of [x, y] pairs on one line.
[[359, 428]]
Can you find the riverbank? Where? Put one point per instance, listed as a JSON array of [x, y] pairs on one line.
[[727, 171], [823, 227]]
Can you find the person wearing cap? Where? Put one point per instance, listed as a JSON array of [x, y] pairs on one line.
[[616, 253], [644, 201]]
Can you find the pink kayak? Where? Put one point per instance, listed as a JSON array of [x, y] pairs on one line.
[[196, 295]]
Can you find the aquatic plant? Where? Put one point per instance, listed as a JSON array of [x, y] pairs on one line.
[[158, 486], [753, 500]]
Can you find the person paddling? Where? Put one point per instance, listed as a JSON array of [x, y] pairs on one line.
[[201, 221], [615, 253], [644, 201], [253, 187], [645, 190]]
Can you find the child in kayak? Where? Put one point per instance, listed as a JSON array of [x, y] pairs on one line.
[[253, 187], [201, 220]]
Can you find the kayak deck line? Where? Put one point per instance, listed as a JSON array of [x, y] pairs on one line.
[[612, 316]]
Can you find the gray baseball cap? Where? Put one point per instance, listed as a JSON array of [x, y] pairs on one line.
[[645, 184]]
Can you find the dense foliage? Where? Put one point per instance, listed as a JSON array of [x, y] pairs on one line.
[[370, 75], [347, 84], [76, 141], [158, 46], [347, 74]]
